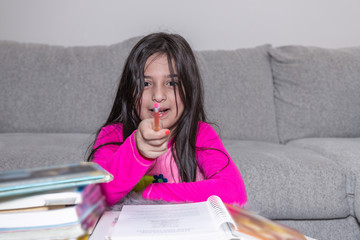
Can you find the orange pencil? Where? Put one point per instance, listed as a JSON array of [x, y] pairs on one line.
[[156, 117]]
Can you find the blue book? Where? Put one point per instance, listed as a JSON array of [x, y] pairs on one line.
[[51, 178]]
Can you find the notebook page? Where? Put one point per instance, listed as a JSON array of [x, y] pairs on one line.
[[171, 222]]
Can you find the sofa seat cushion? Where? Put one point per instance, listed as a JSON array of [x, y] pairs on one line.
[[29, 150], [344, 152], [238, 91], [316, 91], [332, 229], [287, 182]]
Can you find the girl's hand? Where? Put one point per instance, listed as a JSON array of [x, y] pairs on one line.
[[151, 143]]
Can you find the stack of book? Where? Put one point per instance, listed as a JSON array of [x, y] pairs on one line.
[[59, 202]]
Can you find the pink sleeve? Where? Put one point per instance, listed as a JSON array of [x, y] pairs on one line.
[[221, 179], [123, 162]]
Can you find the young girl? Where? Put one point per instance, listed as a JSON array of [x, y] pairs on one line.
[[185, 160]]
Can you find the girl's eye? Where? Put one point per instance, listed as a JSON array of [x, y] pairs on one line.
[[173, 83], [146, 84]]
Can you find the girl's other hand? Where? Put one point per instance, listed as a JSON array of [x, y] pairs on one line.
[[151, 143]]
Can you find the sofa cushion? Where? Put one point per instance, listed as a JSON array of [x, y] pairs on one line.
[[285, 182], [30, 150], [316, 91], [58, 89], [239, 92], [345, 152], [327, 229]]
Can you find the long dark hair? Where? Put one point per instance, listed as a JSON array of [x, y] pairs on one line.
[[130, 89]]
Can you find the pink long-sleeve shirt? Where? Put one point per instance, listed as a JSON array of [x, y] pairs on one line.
[[128, 167]]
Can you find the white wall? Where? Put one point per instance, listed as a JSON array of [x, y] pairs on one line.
[[207, 24]]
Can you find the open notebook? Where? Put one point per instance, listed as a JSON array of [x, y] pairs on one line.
[[210, 220]]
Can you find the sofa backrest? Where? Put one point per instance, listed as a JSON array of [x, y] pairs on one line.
[[259, 93], [70, 89], [58, 89], [238, 91], [317, 91]]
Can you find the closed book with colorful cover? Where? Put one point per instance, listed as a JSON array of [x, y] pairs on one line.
[[51, 178]]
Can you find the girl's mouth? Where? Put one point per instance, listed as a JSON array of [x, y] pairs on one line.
[[161, 110]]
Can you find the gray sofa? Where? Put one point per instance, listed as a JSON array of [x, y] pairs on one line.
[[289, 117]]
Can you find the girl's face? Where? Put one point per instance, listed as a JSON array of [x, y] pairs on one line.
[[159, 87]]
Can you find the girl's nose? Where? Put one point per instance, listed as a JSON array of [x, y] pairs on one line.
[[159, 94]]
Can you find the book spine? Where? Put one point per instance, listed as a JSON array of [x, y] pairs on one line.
[[89, 221]]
